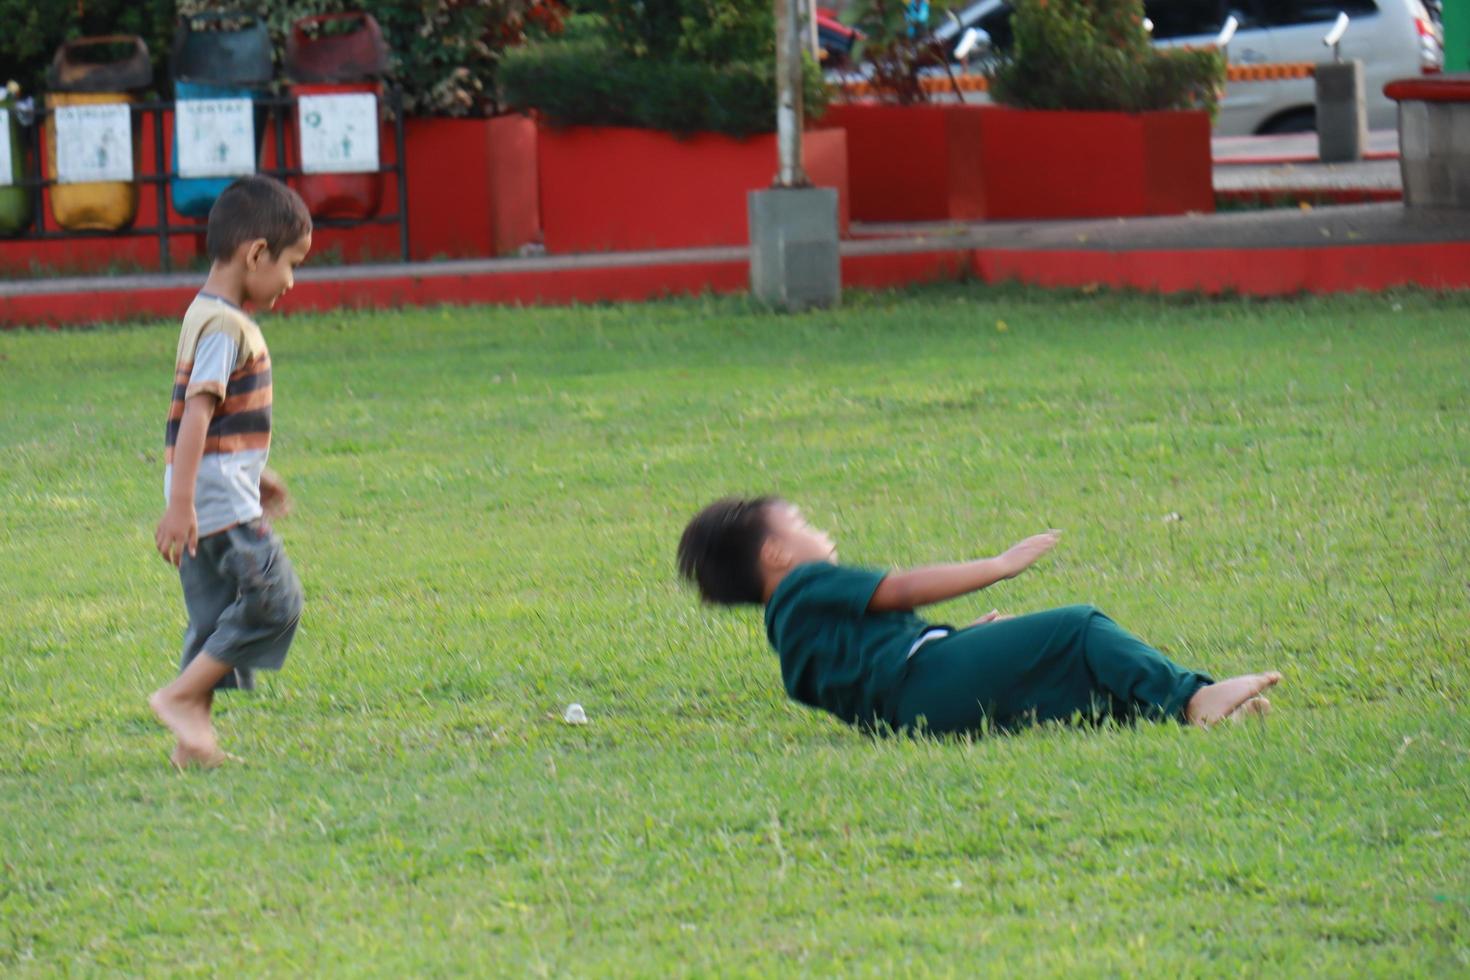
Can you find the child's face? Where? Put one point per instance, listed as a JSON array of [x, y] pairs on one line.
[[791, 541], [269, 278]]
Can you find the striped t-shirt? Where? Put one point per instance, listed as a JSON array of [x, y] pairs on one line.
[[222, 353]]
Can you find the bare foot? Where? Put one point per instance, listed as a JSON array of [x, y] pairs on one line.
[[1256, 707], [1215, 702], [182, 759], [189, 721]]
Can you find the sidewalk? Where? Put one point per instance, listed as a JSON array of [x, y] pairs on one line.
[[1282, 228], [1383, 144], [1380, 177], [1266, 169]]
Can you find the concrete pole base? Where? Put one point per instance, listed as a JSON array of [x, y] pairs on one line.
[[794, 259], [1342, 112], [1434, 153]]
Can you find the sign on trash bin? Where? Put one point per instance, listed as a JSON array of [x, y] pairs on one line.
[[216, 137], [339, 133], [5, 160], [94, 143]]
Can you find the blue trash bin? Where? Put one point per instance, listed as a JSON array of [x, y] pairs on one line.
[[221, 54], [194, 196]]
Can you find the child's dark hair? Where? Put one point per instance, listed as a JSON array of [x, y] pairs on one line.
[[721, 548], [256, 207]]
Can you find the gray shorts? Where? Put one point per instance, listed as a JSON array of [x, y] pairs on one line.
[[244, 602]]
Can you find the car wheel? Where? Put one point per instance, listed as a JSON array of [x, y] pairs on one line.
[[1296, 121]]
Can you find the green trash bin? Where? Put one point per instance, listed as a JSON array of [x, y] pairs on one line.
[[15, 200]]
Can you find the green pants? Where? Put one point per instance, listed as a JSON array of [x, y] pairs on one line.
[[1064, 664]]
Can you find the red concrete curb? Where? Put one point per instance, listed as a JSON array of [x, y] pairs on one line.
[[1282, 159], [519, 287], [1246, 271], [1432, 88], [1314, 195]]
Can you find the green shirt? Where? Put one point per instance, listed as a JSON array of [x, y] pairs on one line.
[[834, 653]]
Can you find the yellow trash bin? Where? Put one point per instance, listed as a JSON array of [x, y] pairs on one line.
[[91, 133], [104, 205]]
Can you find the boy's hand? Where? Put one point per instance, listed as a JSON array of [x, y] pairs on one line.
[[274, 500], [179, 530], [994, 616], [1021, 556]]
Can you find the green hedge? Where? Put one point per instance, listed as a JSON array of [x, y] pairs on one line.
[[32, 30], [1094, 55], [683, 66], [445, 52], [714, 32], [590, 85]]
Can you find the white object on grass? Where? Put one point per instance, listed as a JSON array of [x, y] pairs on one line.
[[574, 715]]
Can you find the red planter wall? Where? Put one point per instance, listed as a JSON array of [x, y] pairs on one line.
[[471, 186], [615, 189], [1094, 164], [475, 189], [969, 163], [912, 163]]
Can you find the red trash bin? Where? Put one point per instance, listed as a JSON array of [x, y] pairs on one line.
[[335, 62]]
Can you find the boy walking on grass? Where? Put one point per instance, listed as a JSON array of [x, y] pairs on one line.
[[850, 643], [242, 596]]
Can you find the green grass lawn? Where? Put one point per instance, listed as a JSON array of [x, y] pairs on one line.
[[487, 507]]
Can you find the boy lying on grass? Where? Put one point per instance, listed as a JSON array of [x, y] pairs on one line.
[[851, 644]]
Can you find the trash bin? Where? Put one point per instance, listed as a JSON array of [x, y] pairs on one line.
[[220, 59], [335, 61], [15, 200], [91, 137]]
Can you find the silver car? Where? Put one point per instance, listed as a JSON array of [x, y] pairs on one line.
[[1393, 39]]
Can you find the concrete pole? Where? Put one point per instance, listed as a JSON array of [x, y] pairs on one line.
[[795, 261], [1342, 114], [1342, 111], [789, 109]]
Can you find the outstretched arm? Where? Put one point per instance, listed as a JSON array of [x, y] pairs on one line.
[[904, 591]]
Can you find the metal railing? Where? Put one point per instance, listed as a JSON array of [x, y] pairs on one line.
[[277, 109]]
